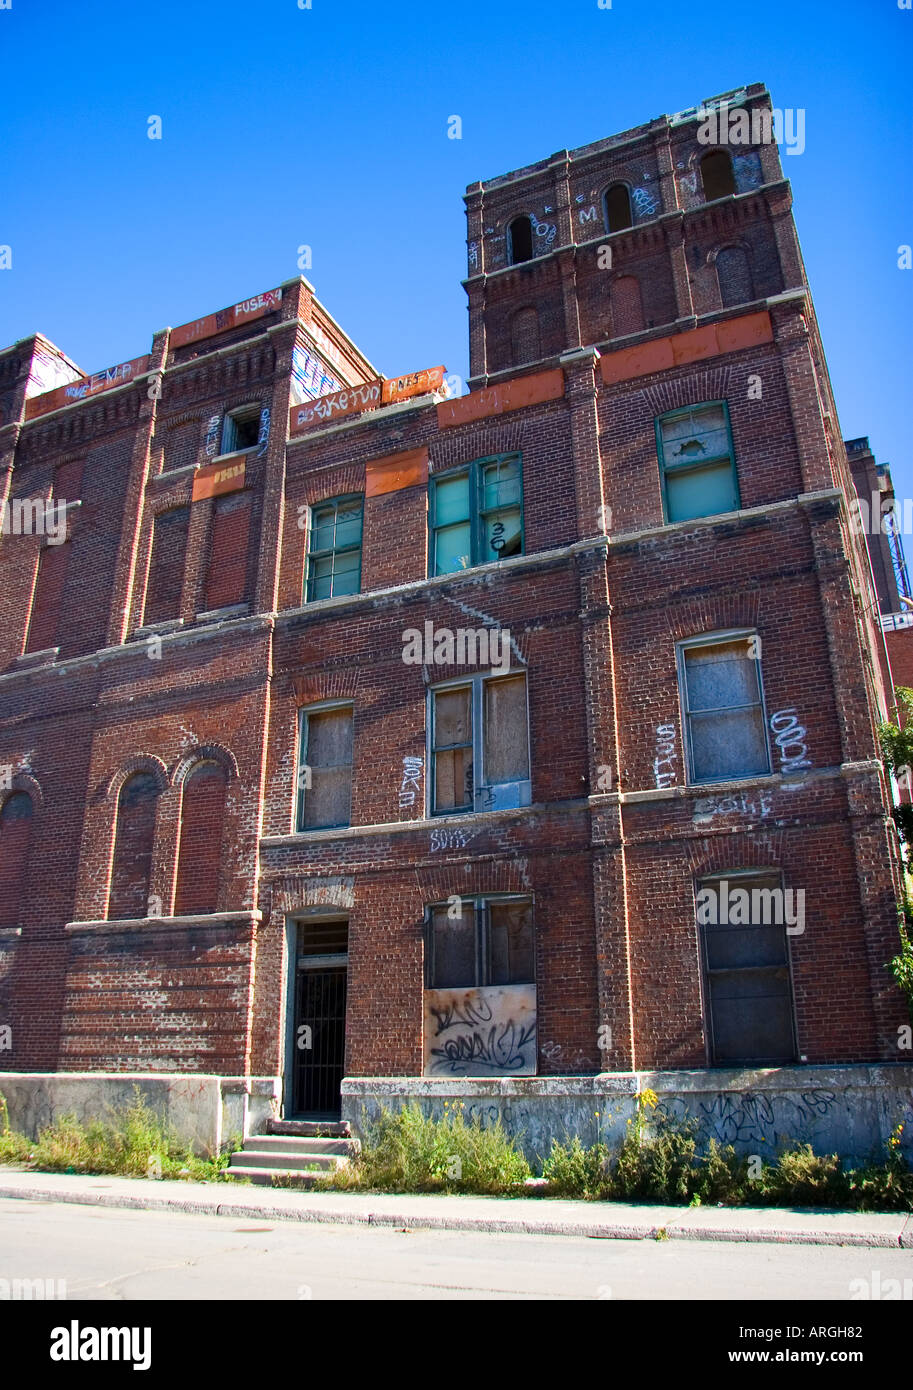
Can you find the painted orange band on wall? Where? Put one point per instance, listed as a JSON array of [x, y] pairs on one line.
[[210, 324], [507, 395], [215, 478], [85, 386], [681, 348], [396, 471], [401, 388]]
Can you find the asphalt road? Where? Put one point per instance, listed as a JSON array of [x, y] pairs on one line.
[[111, 1255]]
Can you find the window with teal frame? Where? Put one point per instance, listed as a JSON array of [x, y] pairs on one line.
[[697, 462], [476, 514], [334, 553]]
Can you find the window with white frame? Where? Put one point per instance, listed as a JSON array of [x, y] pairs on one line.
[[723, 708], [480, 745]]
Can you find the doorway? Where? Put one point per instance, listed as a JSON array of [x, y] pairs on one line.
[[319, 1012]]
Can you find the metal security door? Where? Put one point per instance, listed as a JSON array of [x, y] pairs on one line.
[[320, 1033]]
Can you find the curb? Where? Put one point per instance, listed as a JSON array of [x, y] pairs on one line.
[[597, 1230]]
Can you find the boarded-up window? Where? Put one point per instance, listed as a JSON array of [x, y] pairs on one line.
[[627, 306], [716, 175], [199, 857], [166, 569], [325, 769], [452, 735], [226, 573], [482, 724], [524, 332], [483, 941], [44, 623], [724, 716], [746, 971], [734, 275], [506, 735], [618, 213], [16, 817], [696, 457], [134, 836]]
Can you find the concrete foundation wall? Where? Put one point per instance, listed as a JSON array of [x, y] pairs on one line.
[[848, 1110], [205, 1111]]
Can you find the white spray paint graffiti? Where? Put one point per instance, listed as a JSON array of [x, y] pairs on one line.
[[790, 739], [473, 255], [706, 807], [263, 436], [410, 785], [666, 756], [644, 202], [450, 839], [546, 230], [212, 435]]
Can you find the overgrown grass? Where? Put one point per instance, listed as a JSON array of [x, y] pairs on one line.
[[410, 1152], [132, 1141], [661, 1160]]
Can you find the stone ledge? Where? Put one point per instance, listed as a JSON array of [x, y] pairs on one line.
[[202, 919]]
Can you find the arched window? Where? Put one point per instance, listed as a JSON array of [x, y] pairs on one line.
[[132, 871], [627, 306], [200, 853], [524, 334], [717, 176], [520, 240], [734, 275], [15, 842], [618, 214]]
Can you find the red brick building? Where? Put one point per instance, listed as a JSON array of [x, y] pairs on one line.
[[351, 729]]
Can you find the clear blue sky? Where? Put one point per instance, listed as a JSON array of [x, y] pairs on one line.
[[328, 127]]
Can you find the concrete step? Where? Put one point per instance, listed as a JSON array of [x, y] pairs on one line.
[[326, 1129], [251, 1158], [286, 1144], [263, 1177]]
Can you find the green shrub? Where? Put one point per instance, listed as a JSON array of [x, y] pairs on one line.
[[661, 1159], [408, 1151], [132, 1142]]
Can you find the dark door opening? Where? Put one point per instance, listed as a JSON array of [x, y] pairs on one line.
[[320, 1019]]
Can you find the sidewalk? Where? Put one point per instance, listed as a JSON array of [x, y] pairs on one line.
[[518, 1215]]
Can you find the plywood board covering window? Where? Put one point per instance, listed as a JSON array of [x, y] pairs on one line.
[[325, 775]]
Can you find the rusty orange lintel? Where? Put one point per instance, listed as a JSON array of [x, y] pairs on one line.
[[507, 395], [679, 349]]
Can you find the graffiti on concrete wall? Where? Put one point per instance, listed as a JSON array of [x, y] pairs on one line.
[[489, 1031]]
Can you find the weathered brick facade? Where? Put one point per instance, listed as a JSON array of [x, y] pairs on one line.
[[170, 629]]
